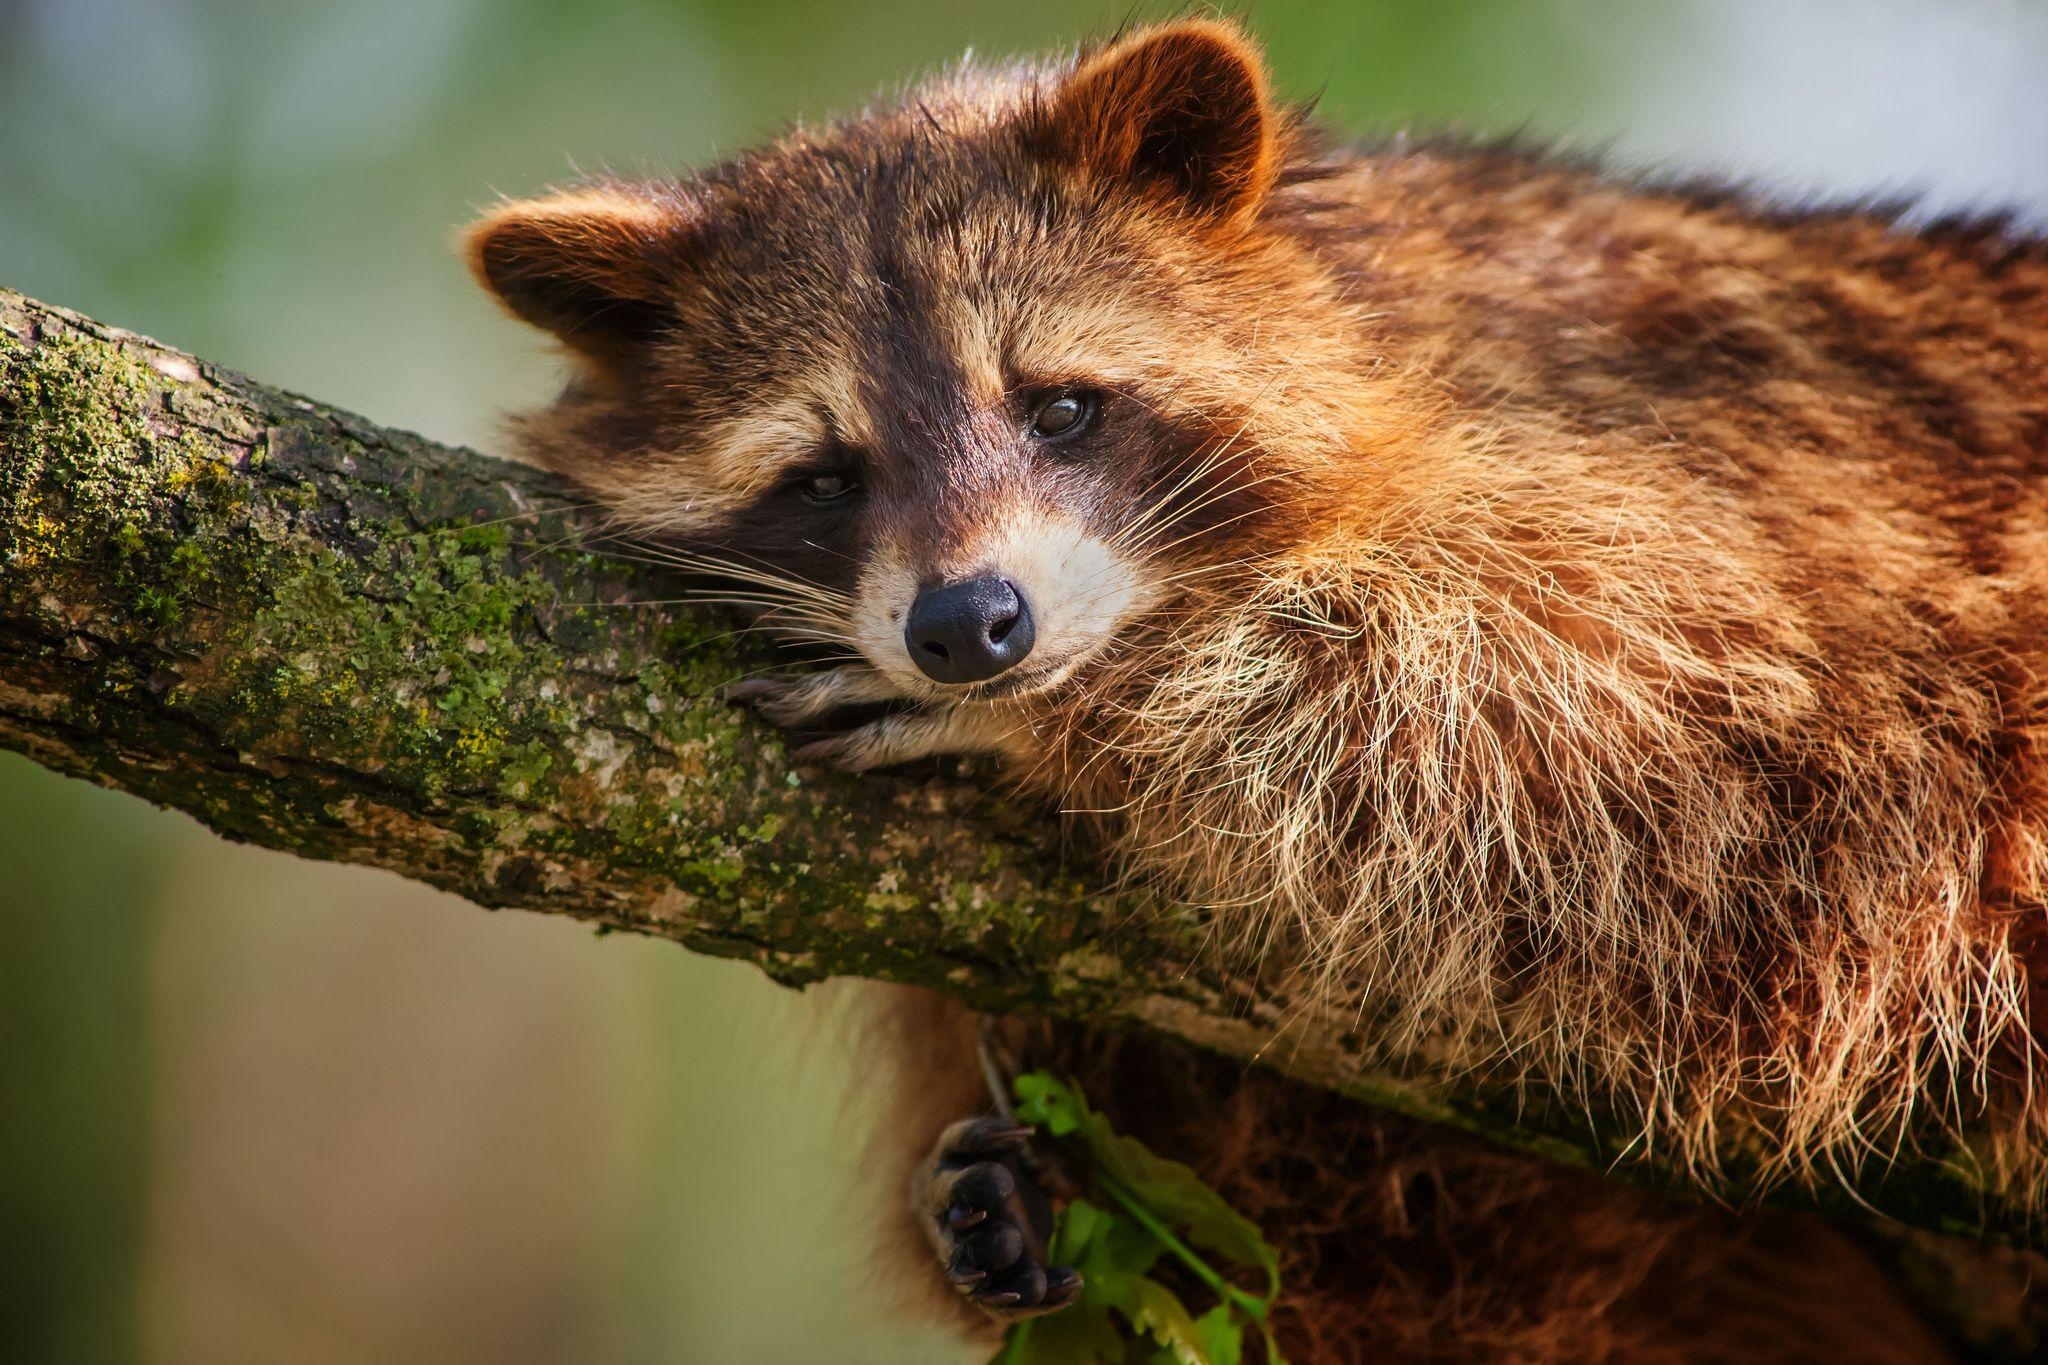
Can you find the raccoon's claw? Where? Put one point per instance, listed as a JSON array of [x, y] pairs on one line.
[[988, 1217], [757, 691]]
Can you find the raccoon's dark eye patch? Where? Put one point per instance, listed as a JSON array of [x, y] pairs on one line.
[[1065, 415]]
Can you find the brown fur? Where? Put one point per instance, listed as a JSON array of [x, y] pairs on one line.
[[1593, 631]]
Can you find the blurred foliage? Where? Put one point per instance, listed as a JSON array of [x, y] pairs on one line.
[[259, 1110], [74, 1116]]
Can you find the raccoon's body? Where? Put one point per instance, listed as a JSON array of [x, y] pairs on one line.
[[1596, 632]]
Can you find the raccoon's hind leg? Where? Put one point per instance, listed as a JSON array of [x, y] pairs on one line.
[[983, 1203]]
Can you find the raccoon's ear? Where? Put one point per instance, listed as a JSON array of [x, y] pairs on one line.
[[1183, 107], [596, 267]]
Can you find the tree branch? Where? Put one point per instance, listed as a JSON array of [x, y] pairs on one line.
[[350, 643]]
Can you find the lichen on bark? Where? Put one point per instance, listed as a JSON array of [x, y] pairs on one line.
[[351, 643]]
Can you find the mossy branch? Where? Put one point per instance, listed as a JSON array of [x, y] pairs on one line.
[[349, 643]]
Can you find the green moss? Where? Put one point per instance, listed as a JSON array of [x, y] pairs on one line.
[[486, 539], [107, 485], [76, 427]]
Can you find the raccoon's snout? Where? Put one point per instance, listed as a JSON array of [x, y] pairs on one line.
[[969, 632]]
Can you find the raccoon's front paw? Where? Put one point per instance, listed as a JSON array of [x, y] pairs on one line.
[[798, 701], [791, 700], [880, 743], [989, 1216]]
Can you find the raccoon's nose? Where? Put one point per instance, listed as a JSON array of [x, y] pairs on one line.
[[968, 632]]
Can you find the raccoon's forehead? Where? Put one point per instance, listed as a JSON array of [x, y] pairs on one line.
[[851, 266]]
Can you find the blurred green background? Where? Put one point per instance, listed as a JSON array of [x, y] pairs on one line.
[[253, 1109]]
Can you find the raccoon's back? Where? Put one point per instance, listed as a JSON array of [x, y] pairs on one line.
[[1857, 409], [1803, 354], [1683, 727]]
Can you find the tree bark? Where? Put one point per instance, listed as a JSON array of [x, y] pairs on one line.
[[350, 643]]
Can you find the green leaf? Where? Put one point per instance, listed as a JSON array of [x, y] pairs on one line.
[[1156, 1310], [1047, 1104], [1222, 1335], [1152, 1205], [1076, 1232], [1167, 1189], [1080, 1334]]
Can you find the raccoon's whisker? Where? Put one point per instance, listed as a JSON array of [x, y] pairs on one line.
[[1174, 479], [1158, 514], [737, 633], [1211, 458], [764, 564], [770, 593], [1206, 570], [828, 550], [655, 551], [783, 618], [734, 599], [691, 559], [552, 509], [835, 660], [827, 637], [774, 611], [744, 573], [810, 628], [1225, 491], [1212, 455], [581, 543], [628, 556], [790, 590], [781, 587], [767, 670], [638, 602], [606, 538], [1253, 561], [783, 609], [1216, 526], [766, 597]]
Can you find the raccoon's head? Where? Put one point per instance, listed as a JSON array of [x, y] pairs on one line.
[[968, 382]]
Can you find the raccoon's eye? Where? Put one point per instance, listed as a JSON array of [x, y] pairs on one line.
[[1065, 415], [828, 487]]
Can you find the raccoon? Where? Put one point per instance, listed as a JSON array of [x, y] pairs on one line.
[[1593, 631]]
